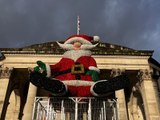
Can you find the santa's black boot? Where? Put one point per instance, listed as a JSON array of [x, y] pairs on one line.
[[105, 87], [49, 84]]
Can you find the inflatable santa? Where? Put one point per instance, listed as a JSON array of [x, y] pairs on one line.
[[76, 74]]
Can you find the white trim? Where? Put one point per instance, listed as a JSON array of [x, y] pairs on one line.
[[78, 82], [48, 70], [94, 68], [80, 39]]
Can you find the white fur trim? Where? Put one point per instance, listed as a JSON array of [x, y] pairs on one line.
[[96, 38], [80, 39], [48, 70], [94, 68], [78, 82]]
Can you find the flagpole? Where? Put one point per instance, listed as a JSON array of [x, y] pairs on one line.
[[78, 25]]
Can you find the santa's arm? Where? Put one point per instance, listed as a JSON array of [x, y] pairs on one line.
[[93, 65], [40, 68], [46, 69], [93, 69], [52, 69]]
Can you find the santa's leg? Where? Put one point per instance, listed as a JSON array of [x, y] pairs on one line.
[[49, 84], [105, 87]]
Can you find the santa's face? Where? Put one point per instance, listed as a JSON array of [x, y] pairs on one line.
[[77, 45]]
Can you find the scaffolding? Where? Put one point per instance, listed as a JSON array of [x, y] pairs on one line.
[[74, 108]]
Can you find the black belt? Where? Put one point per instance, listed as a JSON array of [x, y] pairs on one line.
[[76, 70], [61, 73]]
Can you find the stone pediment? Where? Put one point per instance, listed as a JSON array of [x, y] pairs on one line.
[[53, 48]]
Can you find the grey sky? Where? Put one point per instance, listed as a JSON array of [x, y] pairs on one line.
[[131, 23]]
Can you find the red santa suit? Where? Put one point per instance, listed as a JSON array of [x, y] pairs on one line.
[[72, 68], [64, 71]]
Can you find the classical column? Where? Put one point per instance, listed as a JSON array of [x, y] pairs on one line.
[[148, 95], [121, 102], [30, 102], [5, 73], [13, 107]]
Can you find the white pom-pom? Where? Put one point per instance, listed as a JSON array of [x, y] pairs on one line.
[[96, 38]]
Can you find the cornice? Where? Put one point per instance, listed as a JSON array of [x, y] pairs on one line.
[[53, 48]]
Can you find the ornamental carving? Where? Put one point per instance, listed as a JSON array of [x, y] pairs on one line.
[[5, 72], [145, 74], [117, 72]]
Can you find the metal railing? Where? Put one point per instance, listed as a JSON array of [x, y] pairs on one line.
[[74, 108]]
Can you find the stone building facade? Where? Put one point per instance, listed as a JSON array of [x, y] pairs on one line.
[[139, 102]]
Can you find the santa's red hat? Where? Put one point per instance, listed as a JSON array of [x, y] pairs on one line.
[[84, 39]]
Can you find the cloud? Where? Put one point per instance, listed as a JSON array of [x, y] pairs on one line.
[[131, 23]]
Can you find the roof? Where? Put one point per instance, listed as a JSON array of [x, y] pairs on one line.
[[53, 48]]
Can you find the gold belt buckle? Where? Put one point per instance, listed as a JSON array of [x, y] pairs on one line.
[[77, 69]]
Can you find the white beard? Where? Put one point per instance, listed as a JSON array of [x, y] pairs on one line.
[[75, 54]]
